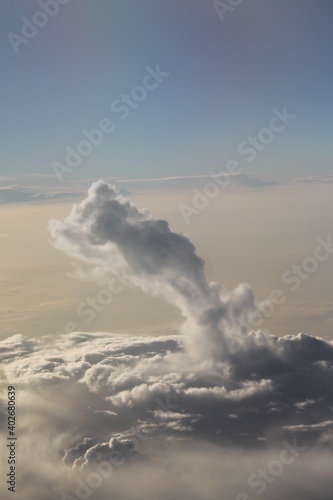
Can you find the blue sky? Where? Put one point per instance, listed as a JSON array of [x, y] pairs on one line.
[[225, 79]]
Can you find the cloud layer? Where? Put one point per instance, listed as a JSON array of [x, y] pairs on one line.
[[140, 403]]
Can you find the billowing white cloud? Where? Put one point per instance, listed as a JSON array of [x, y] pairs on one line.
[[108, 233], [220, 360]]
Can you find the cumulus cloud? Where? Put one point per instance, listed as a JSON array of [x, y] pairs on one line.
[[124, 415], [110, 234], [149, 385], [107, 231]]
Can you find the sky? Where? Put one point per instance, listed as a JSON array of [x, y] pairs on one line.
[[225, 77], [250, 235], [166, 249]]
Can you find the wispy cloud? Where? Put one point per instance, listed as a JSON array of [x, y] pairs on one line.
[[17, 194], [190, 182], [314, 179], [6, 180]]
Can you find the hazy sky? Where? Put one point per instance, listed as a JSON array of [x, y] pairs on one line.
[[225, 79], [167, 320], [253, 236]]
